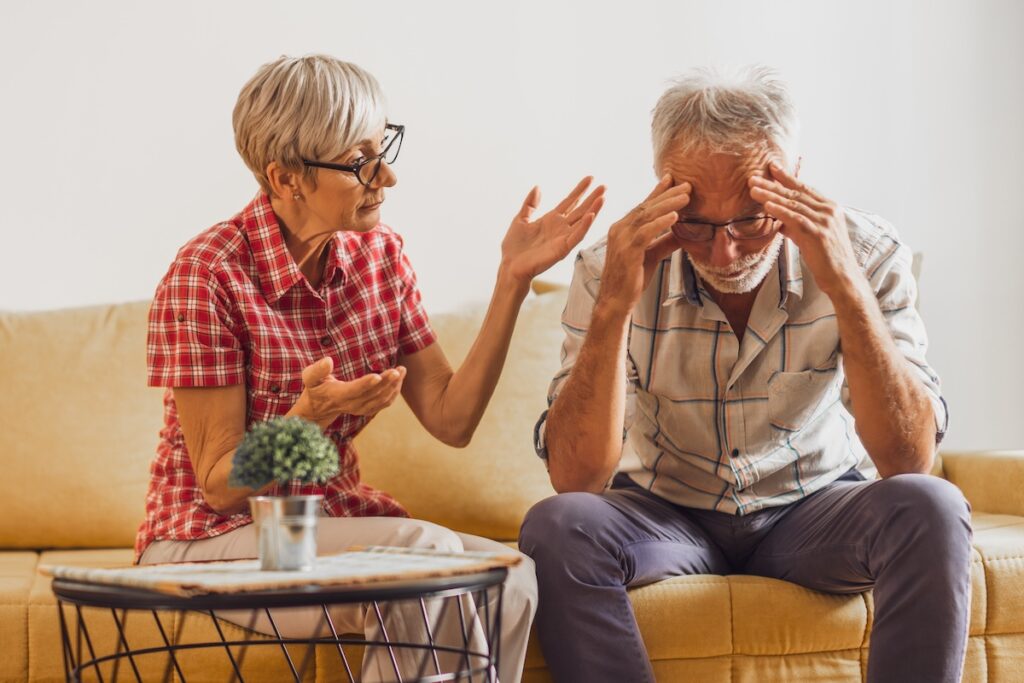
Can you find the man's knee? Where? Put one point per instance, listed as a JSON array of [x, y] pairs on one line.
[[933, 504], [559, 524]]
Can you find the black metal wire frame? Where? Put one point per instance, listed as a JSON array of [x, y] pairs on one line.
[[475, 662]]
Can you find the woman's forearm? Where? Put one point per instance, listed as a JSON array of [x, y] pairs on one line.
[[220, 495], [468, 390]]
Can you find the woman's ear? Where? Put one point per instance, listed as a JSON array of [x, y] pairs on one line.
[[283, 184]]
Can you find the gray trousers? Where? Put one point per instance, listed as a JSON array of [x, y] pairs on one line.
[[908, 537]]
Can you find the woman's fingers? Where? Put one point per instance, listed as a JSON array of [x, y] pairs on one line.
[[570, 200], [592, 204], [317, 372], [531, 202], [579, 231]]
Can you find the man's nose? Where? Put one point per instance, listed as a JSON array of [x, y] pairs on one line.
[[724, 249]]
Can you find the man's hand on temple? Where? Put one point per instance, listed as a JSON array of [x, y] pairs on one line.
[[815, 224], [638, 242]]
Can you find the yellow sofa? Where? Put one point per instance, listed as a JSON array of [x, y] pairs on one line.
[[78, 429]]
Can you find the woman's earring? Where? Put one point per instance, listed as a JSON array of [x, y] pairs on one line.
[[296, 196]]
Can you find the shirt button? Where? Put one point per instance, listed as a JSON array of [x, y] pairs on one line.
[[275, 388], [325, 341], [735, 452], [181, 317]]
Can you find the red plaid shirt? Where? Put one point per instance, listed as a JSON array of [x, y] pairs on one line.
[[234, 308]]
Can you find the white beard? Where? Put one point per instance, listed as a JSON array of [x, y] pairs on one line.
[[743, 274]]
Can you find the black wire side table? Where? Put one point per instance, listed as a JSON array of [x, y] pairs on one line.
[[471, 604]]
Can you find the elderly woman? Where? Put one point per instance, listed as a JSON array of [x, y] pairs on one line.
[[305, 304]]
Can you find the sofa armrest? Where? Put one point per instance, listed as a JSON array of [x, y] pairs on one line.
[[992, 481]]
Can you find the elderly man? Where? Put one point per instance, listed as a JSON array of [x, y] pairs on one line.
[[755, 346]]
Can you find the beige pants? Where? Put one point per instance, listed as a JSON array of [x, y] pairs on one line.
[[404, 622]]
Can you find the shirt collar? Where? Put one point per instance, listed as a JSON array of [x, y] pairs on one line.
[[275, 266], [683, 283], [791, 274]]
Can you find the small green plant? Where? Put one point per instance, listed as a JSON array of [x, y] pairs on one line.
[[283, 449]]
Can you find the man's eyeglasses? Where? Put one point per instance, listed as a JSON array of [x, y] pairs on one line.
[[747, 228], [366, 169]]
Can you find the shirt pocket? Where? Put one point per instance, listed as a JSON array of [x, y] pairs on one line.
[[795, 398], [380, 360], [271, 394]]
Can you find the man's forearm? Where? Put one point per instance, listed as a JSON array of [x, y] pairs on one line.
[[583, 431], [894, 417]]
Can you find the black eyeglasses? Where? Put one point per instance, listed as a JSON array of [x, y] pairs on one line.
[[747, 228], [366, 169]]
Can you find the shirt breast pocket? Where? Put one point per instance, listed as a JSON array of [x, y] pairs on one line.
[[796, 398], [271, 394]]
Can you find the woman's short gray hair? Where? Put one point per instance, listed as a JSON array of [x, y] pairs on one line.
[[312, 107], [726, 110]]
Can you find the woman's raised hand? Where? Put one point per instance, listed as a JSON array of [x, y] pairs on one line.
[[325, 397], [532, 246]]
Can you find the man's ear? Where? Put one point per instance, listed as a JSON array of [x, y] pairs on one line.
[[283, 183]]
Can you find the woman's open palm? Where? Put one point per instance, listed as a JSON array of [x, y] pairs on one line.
[[532, 246]]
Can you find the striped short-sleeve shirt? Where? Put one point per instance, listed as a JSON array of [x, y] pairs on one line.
[[234, 308], [736, 426]]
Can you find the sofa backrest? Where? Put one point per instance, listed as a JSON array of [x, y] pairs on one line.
[[79, 428]]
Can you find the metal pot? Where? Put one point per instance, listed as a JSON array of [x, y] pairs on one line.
[[287, 531]]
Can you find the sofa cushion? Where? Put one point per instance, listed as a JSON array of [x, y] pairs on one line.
[[17, 572], [78, 426]]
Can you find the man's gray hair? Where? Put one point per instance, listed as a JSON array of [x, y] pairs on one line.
[[726, 110], [314, 107]]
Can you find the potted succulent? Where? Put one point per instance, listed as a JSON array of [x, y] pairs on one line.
[[280, 450]]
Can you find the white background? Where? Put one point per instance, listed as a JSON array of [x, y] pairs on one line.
[[116, 141]]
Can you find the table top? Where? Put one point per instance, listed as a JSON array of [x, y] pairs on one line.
[[130, 597], [357, 575]]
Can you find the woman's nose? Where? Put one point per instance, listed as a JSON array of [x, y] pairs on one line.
[[386, 176]]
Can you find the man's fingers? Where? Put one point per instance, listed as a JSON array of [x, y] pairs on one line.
[[531, 202], [664, 182], [759, 182], [651, 230], [566, 204], [797, 205], [796, 222], [661, 247], [672, 200], [790, 181]]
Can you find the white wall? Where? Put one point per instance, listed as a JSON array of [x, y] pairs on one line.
[[116, 138]]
